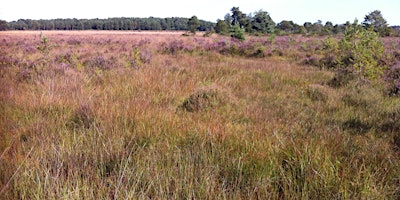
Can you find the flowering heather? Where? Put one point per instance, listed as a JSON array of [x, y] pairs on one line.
[[392, 77], [154, 115]]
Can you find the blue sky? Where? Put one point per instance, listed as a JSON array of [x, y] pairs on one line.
[[337, 11]]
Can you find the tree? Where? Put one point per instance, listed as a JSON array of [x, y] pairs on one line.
[[338, 29], [221, 27], [286, 26], [308, 26], [238, 18], [317, 27], [193, 24], [3, 25], [228, 19], [376, 22], [328, 28], [262, 22], [359, 54]]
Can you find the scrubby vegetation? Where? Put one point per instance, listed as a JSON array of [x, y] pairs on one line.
[[110, 115]]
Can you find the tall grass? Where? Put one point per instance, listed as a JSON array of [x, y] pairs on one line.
[[87, 124]]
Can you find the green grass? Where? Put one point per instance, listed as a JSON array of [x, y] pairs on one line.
[[277, 132]]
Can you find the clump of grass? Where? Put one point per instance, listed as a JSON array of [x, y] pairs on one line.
[[83, 116], [342, 77], [205, 98], [315, 94]]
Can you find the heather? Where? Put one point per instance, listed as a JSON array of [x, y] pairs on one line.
[[127, 115]]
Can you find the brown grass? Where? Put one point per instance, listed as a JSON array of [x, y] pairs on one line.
[[83, 123]]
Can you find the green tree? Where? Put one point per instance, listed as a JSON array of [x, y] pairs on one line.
[[286, 26], [193, 24], [238, 17], [221, 27], [375, 21], [328, 28], [262, 22], [317, 27], [359, 53], [308, 27], [3, 25], [228, 19]]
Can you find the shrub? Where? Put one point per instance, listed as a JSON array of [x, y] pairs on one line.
[[44, 46], [172, 47], [238, 33], [359, 52], [312, 60], [139, 58], [208, 33], [342, 77], [392, 78], [200, 100], [83, 116], [99, 62], [206, 98]]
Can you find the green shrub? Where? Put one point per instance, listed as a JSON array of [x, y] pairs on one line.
[[44, 46], [238, 33], [359, 53]]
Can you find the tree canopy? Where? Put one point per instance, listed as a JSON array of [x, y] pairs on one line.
[[193, 24], [375, 21], [259, 22], [262, 22], [151, 23]]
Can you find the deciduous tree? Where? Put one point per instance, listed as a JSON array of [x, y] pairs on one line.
[[193, 24], [262, 22], [3, 25], [221, 27]]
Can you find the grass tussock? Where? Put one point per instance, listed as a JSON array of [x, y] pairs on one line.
[[103, 116]]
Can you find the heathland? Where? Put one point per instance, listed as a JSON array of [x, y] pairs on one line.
[[159, 115]]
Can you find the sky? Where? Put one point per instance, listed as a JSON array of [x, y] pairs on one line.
[[299, 11]]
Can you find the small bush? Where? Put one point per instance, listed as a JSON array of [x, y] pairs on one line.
[[44, 46], [172, 47], [208, 33], [200, 100], [204, 99], [312, 60], [359, 52], [238, 33], [392, 78], [99, 62], [139, 58], [342, 77]]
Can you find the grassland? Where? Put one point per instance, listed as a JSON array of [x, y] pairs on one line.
[[160, 116]]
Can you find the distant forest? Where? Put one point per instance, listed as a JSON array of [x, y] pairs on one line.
[[235, 24], [123, 23]]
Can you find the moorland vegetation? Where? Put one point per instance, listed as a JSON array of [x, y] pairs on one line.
[[128, 115]]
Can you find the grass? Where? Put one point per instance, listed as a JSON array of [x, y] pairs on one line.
[[83, 123]]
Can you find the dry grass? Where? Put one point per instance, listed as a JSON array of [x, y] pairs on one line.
[[83, 122]]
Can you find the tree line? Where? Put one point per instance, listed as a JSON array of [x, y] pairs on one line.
[[123, 23], [235, 24]]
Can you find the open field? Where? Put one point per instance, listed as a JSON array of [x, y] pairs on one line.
[[127, 115]]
